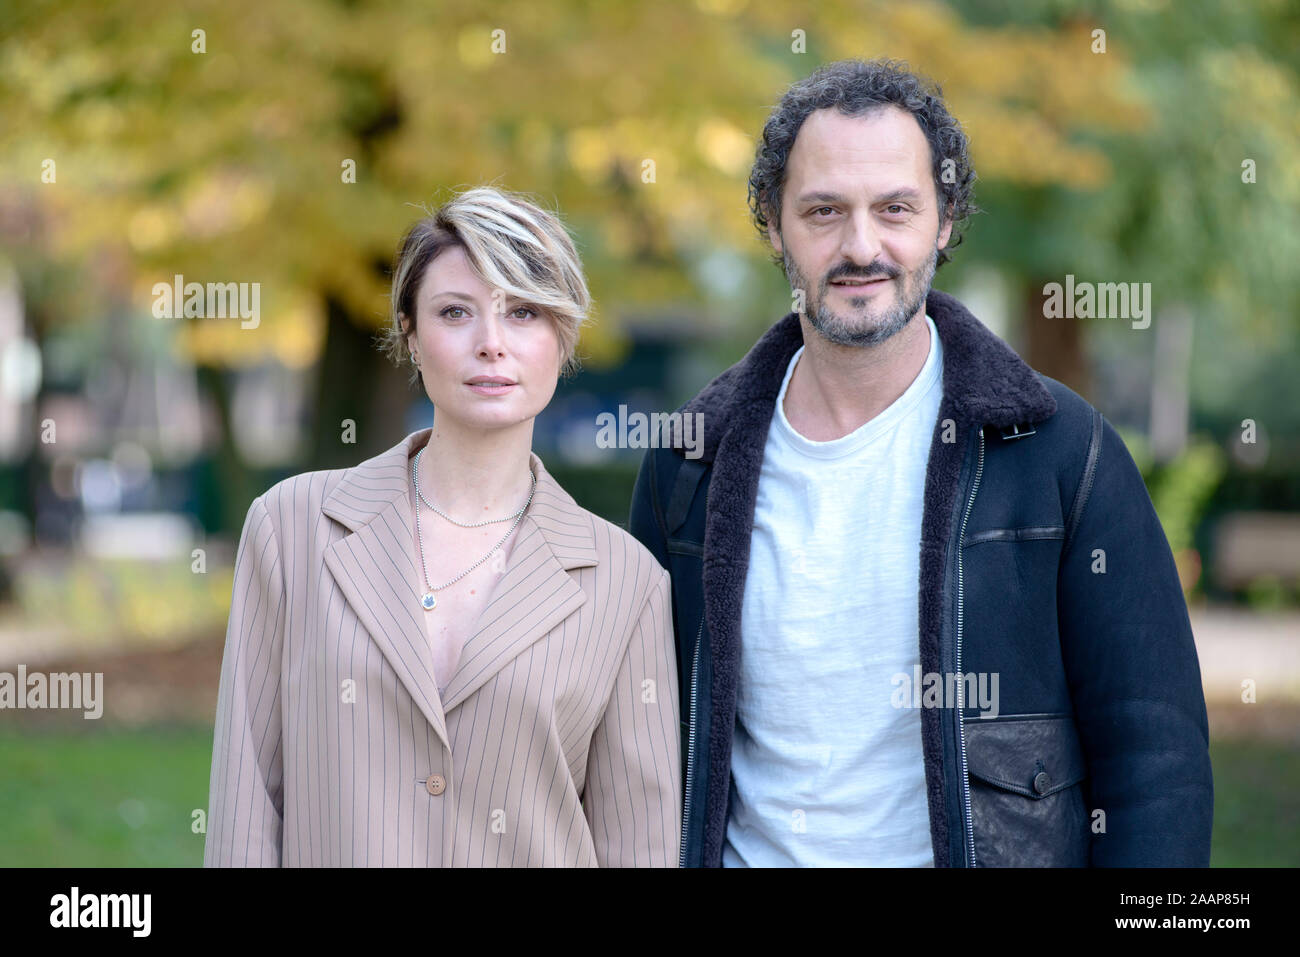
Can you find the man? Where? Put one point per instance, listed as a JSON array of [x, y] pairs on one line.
[[925, 612]]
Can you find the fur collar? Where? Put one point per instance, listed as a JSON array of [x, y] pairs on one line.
[[986, 381]]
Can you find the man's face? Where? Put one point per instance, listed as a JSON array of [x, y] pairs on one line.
[[860, 230]]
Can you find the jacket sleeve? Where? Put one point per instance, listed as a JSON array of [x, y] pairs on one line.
[[632, 797], [643, 521], [1133, 672], [245, 813]]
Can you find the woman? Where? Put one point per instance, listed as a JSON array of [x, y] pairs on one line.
[[437, 658]]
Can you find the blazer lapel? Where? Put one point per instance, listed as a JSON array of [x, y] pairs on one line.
[[535, 592], [372, 568]]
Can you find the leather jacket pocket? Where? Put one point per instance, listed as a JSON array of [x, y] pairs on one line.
[[1026, 791]]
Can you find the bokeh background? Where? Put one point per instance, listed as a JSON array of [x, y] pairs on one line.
[[290, 143]]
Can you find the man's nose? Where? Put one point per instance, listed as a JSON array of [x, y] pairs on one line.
[[860, 243]]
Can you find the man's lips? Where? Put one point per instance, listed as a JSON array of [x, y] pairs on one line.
[[859, 285]]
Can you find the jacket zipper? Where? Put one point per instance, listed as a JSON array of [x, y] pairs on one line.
[[690, 747], [961, 728]]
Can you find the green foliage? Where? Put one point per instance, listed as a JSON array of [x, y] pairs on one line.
[[1216, 86], [1270, 593], [1179, 489], [1182, 488]]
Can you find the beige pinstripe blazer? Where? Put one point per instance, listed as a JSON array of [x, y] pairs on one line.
[[557, 741]]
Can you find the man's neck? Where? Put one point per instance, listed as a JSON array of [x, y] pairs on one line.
[[837, 389]]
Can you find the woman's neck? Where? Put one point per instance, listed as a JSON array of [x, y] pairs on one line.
[[477, 476]]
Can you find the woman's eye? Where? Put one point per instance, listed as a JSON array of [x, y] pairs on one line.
[[529, 312], [450, 309]]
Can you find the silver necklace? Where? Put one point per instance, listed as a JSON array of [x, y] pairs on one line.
[[420, 493], [429, 602]]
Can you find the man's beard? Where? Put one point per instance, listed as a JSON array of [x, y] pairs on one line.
[[852, 332]]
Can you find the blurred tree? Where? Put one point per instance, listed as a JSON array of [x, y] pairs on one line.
[[1202, 200], [227, 154]]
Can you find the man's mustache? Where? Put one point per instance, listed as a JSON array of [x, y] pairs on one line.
[[879, 273]]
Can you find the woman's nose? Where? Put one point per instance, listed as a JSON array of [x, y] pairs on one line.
[[492, 336]]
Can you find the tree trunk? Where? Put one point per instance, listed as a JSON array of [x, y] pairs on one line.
[[358, 382], [1055, 347]]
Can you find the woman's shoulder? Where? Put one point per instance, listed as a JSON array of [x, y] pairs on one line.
[[352, 493], [574, 529], [623, 550], [297, 496]]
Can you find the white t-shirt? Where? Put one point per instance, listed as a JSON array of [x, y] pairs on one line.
[[826, 772]]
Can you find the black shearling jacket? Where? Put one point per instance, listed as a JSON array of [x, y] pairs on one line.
[[1100, 753]]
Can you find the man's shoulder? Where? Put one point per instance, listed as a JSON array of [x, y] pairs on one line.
[[1072, 410], [1059, 442], [1089, 441]]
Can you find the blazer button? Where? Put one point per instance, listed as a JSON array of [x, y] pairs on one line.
[[1042, 781], [435, 784]]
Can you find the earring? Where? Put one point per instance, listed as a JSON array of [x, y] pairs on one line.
[[415, 359]]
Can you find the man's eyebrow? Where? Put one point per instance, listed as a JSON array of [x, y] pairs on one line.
[[905, 192], [821, 196]]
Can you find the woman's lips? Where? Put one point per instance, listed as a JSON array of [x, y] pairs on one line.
[[491, 388]]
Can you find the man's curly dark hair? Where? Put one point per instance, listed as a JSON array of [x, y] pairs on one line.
[[857, 87]]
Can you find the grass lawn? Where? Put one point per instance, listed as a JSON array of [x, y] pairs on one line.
[[125, 798], [103, 798], [1256, 804]]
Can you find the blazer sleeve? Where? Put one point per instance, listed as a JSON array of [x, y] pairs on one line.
[[245, 797], [633, 789], [1134, 676]]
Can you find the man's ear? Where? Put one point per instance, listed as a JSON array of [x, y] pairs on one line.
[[944, 234], [774, 236]]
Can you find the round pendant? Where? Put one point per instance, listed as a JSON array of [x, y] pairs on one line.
[[428, 601]]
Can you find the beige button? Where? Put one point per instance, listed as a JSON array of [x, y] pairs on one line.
[[435, 784]]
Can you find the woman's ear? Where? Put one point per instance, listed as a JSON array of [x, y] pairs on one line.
[[408, 331]]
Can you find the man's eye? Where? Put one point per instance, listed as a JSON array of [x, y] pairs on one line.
[[820, 208], [896, 206]]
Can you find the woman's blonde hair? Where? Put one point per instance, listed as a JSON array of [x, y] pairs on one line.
[[512, 245]]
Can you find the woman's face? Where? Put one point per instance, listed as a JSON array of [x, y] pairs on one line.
[[464, 336]]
